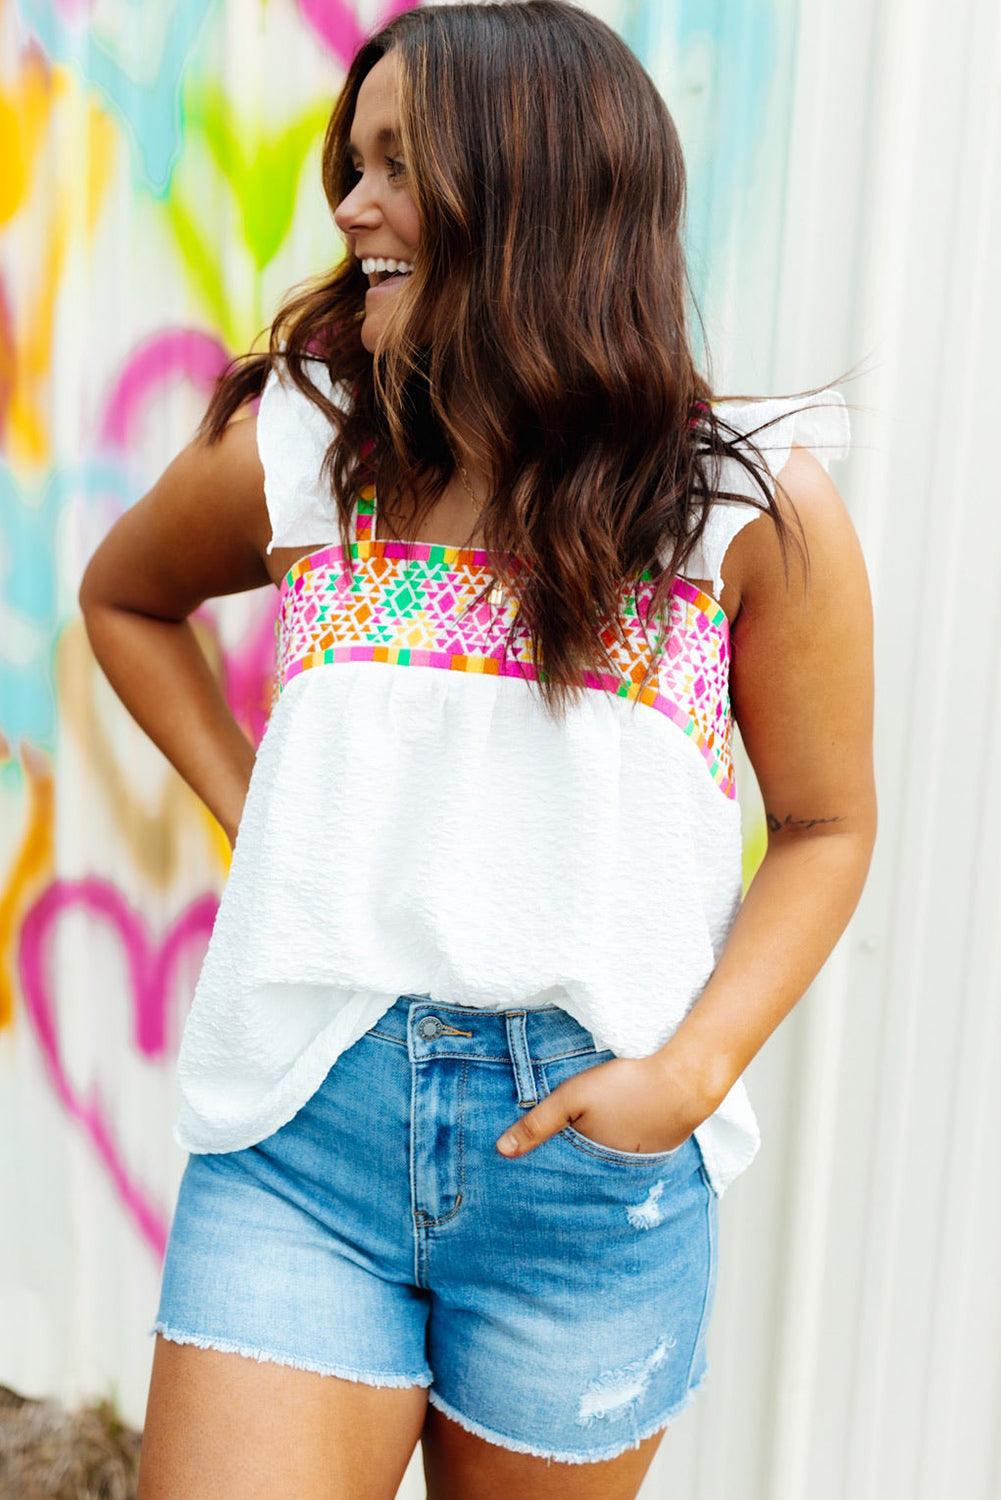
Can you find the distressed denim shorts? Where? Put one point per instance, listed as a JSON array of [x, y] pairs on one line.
[[555, 1303]]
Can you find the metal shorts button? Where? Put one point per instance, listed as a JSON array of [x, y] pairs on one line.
[[429, 1027]]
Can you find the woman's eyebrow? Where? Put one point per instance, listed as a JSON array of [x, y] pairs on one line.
[[387, 133]]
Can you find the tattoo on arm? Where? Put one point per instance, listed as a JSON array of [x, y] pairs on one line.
[[775, 825]]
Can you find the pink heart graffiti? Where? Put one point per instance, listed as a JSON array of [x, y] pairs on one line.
[[196, 356], [335, 23], [150, 970]]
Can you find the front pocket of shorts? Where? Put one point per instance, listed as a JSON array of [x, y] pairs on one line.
[[558, 1071]]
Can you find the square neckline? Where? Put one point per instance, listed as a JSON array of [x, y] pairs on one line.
[[476, 558], [368, 498], [365, 546]]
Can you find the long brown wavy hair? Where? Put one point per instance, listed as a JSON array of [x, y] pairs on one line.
[[550, 291]]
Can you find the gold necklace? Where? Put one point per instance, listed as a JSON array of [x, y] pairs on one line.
[[465, 479], [495, 591]]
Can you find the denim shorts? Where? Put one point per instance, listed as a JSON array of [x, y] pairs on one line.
[[555, 1303]]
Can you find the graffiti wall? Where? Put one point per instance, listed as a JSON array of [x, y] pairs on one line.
[[159, 192]]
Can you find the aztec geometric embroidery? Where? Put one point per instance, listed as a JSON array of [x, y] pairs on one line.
[[415, 611]]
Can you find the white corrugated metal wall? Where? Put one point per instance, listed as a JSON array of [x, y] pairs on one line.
[[857, 1343], [844, 182]]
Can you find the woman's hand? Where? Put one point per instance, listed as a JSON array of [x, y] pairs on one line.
[[628, 1103]]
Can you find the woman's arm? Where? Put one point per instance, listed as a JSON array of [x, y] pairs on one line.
[[801, 688], [801, 685], [200, 532]]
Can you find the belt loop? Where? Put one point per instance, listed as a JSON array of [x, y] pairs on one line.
[[524, 1074]]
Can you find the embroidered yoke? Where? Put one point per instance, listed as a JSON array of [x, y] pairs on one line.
[[417, 824], [413, 604]]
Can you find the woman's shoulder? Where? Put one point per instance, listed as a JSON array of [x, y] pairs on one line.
[[813, 508]]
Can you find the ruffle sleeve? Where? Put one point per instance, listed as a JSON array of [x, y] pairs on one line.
[[293, 436], [819, 423]]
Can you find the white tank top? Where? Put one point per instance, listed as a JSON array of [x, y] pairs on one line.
[[416, 824]]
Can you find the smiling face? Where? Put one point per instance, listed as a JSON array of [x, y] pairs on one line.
[[378, 218]]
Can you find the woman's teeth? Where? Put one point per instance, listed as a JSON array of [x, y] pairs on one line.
[[377, 265]]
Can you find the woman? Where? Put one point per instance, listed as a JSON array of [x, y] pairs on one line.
[[461, 1082]]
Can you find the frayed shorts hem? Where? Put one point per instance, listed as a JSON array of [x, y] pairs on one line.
[[278, 1357], [564, 1456]]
